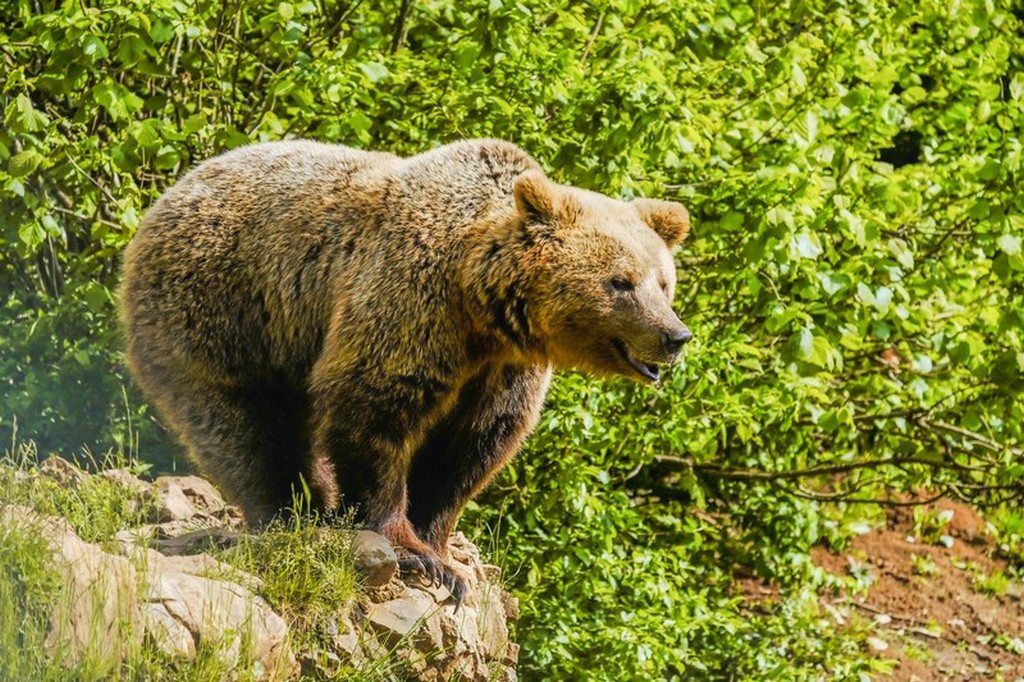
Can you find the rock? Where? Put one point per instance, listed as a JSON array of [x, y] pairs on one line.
[[404, 615], [511, 605], [375, 558], [182, 497], [163, 588], [171, 503], [419, 626], [140, 493], [877, 644], [176, 602], [187, 536], [179, 601], [62, 471], [196, 542], [392, 590], [128, 481], [100, 609], [205, 566]]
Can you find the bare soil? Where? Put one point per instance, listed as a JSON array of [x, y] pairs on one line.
[[932, 608], [927, 607]]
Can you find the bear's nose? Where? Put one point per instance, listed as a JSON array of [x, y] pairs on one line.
[[674, 340]]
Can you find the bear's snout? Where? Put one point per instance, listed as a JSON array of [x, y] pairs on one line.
[[673, 341]]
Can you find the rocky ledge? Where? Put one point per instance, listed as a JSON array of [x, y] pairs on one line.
[[160, 584]]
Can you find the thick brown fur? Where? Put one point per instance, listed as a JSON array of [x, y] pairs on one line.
[[298, 310]]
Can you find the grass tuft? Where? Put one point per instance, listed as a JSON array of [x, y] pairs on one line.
[[30, 587]]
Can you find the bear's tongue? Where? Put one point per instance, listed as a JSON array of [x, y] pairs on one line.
[[650, 371]]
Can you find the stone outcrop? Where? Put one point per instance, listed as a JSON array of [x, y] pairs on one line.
[[157, 585], [113, 601], [430, 636], [81, 621], [195, 599]]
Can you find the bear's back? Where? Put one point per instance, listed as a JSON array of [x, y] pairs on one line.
[[239, 265]]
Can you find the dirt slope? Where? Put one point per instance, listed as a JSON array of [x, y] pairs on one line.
[[933, 606]]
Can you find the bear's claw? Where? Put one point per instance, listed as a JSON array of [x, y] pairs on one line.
[[436, 572]]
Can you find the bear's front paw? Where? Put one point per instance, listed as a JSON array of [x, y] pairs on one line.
[[435, 571]]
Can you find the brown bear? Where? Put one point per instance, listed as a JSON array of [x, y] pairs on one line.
[[291, 304]]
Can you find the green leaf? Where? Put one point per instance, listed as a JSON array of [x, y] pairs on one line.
[[32, 234], [94, 48], [146, 134], [833, 283], [24, 163], [97, 297], [24, 118], [990, 170], [1010, 244], [466, 56], [806, 245], [980, 209], [375, 71], [161, 31], [116, 99], [805, 344], [167, 158]]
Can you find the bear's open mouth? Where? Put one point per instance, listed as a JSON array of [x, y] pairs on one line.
[[649, 371]]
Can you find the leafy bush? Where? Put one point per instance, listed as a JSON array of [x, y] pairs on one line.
[[853, 280]]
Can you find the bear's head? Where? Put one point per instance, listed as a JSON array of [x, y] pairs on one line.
[[603, 277]]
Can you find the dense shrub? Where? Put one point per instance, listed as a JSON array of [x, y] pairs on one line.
[[853, 281]]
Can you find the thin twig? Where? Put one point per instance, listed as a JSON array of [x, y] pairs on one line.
[[87, 219], [972, 436], [95, 182], [592, 39]]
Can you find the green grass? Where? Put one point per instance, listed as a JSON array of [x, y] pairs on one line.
[[993, 584], [30, 586], [924, 565], [96, 509], [930, 525], [305, 567], [1008, 525]]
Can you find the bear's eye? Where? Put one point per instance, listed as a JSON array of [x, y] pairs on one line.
[[621, 284]]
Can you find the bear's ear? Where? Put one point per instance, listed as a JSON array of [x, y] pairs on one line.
[[536, 196], [669, 219]]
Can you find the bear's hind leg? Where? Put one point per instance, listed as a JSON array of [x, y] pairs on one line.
[[251, 441]]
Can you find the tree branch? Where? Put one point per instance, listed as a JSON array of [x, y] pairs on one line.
[[972, 436], [401, 28], [718, 471]]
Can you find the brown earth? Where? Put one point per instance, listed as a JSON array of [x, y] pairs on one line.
[[931, 606], [933, 609]]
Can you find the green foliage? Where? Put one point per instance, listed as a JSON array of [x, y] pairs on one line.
[[1008, 527], [853, 280], [994, 584]]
